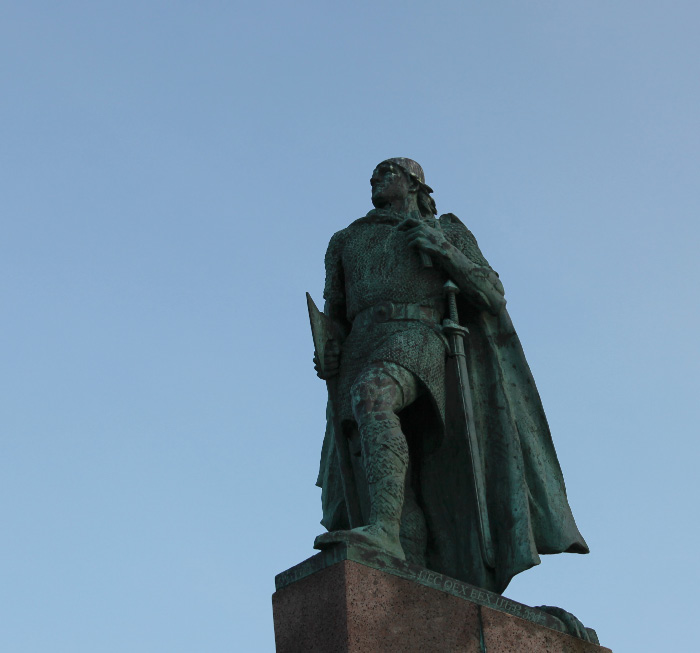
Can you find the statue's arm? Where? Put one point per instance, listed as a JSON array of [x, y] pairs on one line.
[[334, 288], [478, 283], [454, 249], [335, 309]]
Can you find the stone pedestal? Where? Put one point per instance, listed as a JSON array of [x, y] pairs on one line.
[[351, 600]]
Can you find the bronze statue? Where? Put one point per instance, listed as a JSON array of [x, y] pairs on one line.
[[437, 448]]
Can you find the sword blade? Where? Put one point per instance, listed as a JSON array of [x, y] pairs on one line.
[[456, 333], [478, 475]]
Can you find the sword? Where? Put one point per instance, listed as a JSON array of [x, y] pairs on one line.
[[456, 332]]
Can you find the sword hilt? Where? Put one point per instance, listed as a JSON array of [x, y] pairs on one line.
[[451, 289]]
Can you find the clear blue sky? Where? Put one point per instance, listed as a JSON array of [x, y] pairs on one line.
[[171, 175]]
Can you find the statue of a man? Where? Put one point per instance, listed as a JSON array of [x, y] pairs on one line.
[[477, 499]]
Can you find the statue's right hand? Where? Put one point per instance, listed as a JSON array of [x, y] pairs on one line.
[[331, 361]]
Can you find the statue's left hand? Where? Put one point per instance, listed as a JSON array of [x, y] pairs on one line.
[[425, 238], [331, 361]]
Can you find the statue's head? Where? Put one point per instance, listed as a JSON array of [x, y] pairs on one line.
[[398, 181]]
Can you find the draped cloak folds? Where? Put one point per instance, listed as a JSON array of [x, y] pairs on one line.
[[528, 510]]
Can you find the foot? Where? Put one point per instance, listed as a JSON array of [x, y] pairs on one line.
[[572, 625], [374, 536]]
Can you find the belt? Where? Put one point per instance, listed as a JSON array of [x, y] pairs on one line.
[[391, 311]]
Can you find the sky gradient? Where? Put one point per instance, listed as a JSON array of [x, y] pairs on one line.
[[171, 175]]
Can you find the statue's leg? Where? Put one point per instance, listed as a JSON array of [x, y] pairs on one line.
[[380, 392], [385, 459], [414, 530]]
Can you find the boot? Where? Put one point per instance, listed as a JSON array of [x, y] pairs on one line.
[[385, 459]]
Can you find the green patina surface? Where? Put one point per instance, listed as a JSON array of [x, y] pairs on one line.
[[437, 449]]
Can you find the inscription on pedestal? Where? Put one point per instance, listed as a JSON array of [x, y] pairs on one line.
[[438, 581], [344, 607], [377, 560]]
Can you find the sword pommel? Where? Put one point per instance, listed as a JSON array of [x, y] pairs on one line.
[[451, 287]]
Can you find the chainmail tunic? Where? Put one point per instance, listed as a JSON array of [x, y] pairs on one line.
[[368, 263]]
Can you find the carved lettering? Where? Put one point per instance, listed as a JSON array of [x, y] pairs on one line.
[[480, 596]]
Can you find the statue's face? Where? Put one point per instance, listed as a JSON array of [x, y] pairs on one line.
[[389, 183]]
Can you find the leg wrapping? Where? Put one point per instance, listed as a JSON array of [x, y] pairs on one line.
[[385, 458]]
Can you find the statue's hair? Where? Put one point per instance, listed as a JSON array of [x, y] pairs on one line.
[[426, 203]]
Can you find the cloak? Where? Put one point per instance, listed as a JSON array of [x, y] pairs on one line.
[[528, 509]]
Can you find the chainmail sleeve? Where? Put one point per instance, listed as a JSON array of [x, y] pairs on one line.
[[463, 239], [334, 289]]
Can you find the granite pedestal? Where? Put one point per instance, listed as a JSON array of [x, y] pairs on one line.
[[354, 600]]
